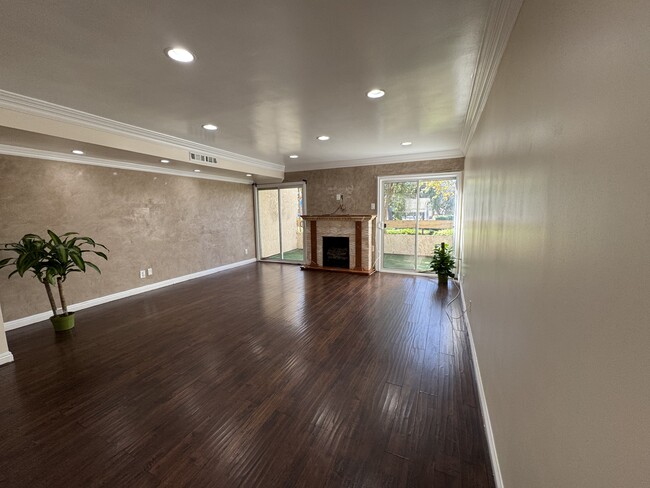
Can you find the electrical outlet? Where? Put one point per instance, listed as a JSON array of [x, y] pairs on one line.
[[339, 196], [143, 274], [149, 271], [246, 251], [372, 206]]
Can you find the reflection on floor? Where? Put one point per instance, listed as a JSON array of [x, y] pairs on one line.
[[286, 379], [293, 255]]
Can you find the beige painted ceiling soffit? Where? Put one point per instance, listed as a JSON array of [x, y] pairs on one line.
[[498, 26], [38, 116], [402, 158], [116, 164]]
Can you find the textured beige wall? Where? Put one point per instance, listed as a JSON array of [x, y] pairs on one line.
[[359, 184], [556, 246], [175, 225]]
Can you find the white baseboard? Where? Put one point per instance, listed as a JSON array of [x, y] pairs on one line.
[[6, 357], [496, 469], [39, 317]]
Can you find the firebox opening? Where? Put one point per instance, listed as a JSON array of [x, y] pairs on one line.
[[336, 252]]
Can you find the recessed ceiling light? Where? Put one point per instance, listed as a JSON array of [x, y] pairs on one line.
[[210, 127], [323, 138], [406, 143], [164, 161], [376, 93], [77, 151], [294, 156], [197, 170], [179, 54], [248, 174]]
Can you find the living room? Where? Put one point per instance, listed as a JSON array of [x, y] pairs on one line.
[[195, 362]]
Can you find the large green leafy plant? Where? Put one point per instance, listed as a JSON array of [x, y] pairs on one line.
[[52, 260], [443, 262]]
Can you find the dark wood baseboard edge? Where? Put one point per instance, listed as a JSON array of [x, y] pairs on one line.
[[309, 267]]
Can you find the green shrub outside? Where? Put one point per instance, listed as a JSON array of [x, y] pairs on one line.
[[425, 232]]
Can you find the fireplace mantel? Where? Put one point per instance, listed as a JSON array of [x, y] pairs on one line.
[[355, 218], [357, 228]]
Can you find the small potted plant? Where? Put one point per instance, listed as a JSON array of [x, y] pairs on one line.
[[443, 263], [51, 261]]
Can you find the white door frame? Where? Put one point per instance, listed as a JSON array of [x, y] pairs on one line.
[[278, 186], [458, 175]]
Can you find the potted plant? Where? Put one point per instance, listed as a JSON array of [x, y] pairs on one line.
[[443, 263], [51, 261]]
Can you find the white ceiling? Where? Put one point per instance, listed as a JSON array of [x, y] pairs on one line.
[[273, 75]]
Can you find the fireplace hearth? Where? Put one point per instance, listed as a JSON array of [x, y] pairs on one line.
[[336, 252]]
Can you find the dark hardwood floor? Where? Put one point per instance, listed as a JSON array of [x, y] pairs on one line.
[[260, 376]]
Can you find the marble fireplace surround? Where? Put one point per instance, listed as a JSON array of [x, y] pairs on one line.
[[357, 228]]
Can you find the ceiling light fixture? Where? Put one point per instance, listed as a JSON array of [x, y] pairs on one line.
[[323, 138], [248, 174], [197, 170], [376, 93], [210, 127], [406, 143], [164, 161], [179, 54], [293, 156], [77, 151]]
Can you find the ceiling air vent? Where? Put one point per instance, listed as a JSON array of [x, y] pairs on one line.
[[202, 158]]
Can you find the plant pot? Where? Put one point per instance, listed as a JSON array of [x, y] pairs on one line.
[[443, 280], [62, 323]]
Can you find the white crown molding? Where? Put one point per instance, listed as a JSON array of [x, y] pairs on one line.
[[401, 158], [39, 317], [41, 108], [111, 163], [499, 23]]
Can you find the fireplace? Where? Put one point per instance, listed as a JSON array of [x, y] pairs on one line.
[[336, 252], [355, 251]]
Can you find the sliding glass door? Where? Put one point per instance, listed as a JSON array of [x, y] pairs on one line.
[[415, 214], [280, 234]]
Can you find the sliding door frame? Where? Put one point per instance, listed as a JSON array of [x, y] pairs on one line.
[[457, 175], [278, 186]]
